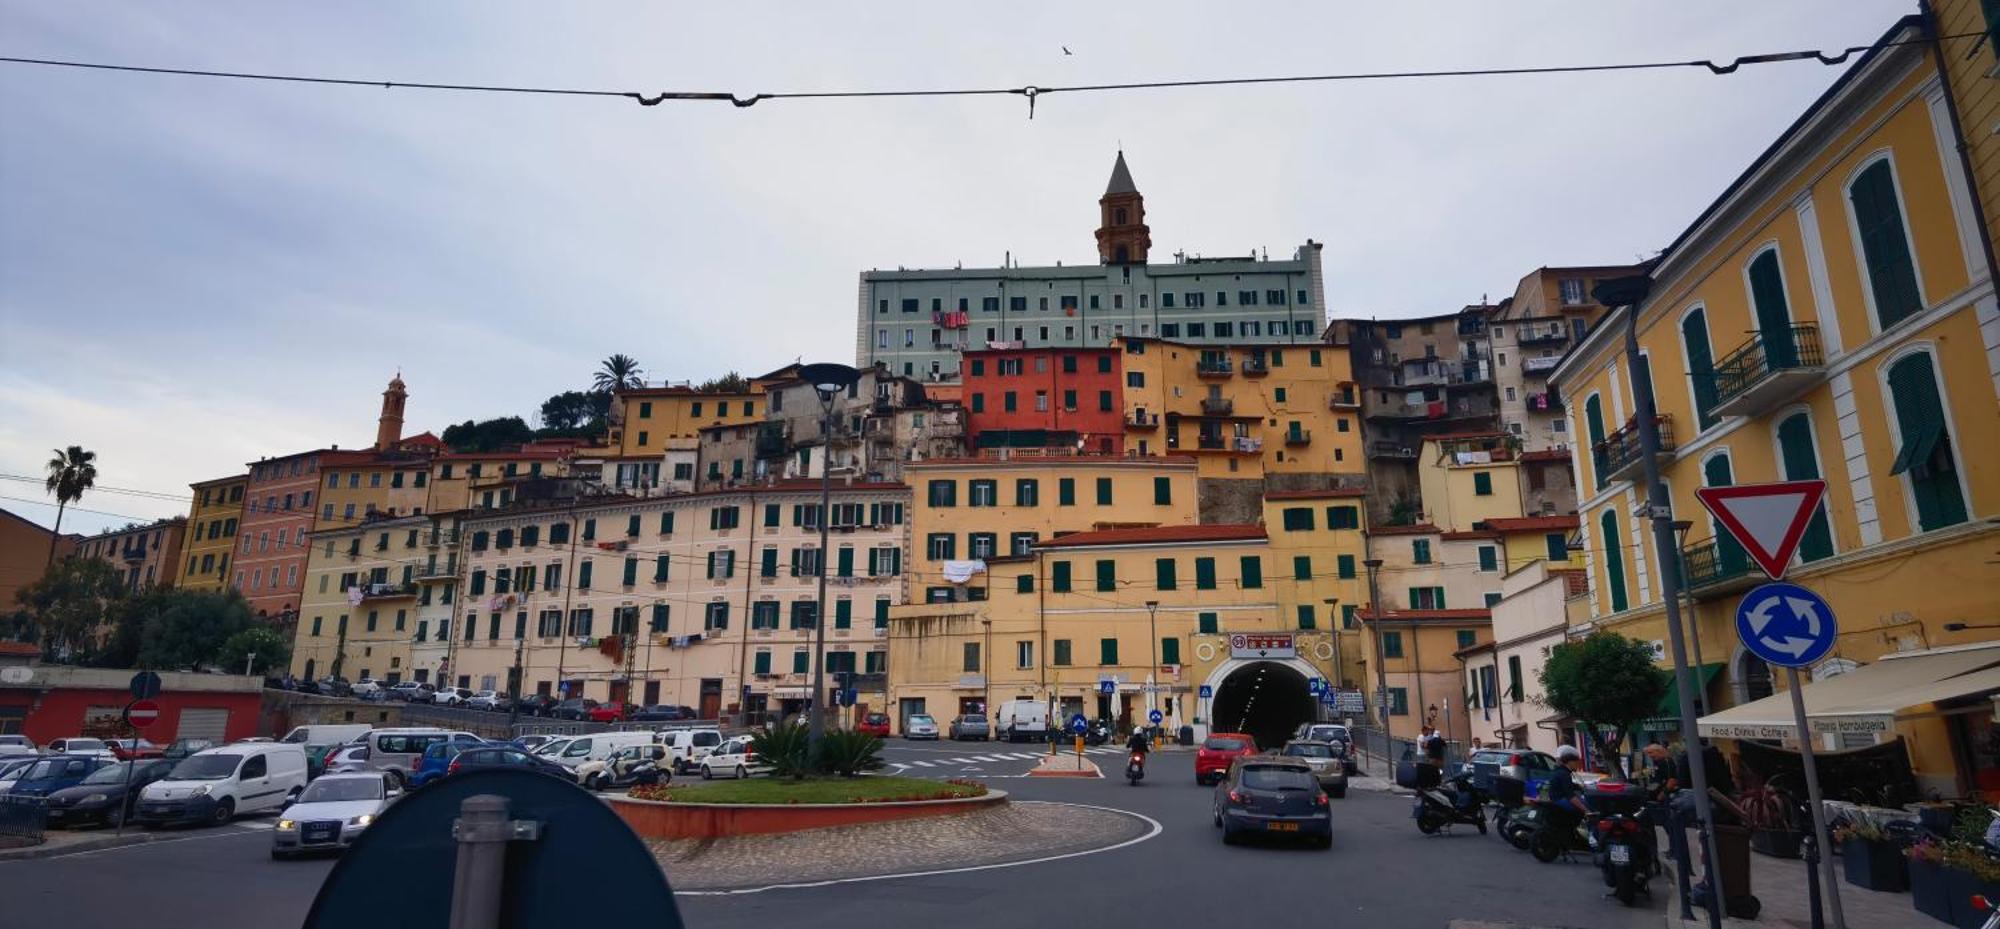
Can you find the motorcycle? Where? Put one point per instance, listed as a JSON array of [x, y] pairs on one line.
[[1557, 834], [1135, 768], [1098, 733], [1625, 855], [1456, 801], [1513, 818]]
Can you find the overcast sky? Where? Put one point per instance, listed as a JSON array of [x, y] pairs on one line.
[[196, 273]]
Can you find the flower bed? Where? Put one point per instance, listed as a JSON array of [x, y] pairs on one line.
[[766, 805], [785, 791]]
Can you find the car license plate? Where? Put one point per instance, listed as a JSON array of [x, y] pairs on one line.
[[1282, 827], [320, 833], [1621, 854]]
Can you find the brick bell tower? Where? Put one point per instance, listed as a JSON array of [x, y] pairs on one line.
[[1122, 236], [389, 428]]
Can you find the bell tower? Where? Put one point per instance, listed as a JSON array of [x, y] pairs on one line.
[[389, 429], [1122, 234]]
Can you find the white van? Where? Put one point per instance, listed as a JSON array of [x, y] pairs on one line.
[[326, 734], [594, 746], [689, 746], [400, 752], [216, 784], [1022, 720]]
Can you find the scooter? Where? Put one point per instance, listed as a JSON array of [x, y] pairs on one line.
[[1135, 768], [1098, 733], [1625, 855], [1553, 840], [1513, 818], [1456, 801]]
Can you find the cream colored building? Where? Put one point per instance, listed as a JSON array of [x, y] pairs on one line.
[[357, 611], [1503, 677]]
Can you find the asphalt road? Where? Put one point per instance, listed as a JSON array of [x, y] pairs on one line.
[[1380, 872]]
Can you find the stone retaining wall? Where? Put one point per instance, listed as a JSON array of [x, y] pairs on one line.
[[654, 819]]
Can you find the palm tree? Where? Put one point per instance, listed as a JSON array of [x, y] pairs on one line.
[[617, 373], [70, 474]]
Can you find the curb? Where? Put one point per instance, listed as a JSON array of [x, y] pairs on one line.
[[1088, 768], [92, 844]]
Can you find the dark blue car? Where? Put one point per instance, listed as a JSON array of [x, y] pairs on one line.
[[437, 758], [56, 772]]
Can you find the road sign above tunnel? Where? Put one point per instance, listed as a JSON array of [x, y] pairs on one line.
[[1768, 520]]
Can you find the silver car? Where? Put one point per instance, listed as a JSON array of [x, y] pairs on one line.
[[332, 813], [966, 728], [1326, 762], [920, 726]]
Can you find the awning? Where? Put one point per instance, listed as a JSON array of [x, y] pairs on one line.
[[1670, 705], [1866, 699]]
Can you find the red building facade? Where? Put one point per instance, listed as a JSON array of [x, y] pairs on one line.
[[1045, 398], [271, 541]]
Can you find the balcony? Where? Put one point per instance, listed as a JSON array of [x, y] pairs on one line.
[[1431, 374], [1297, 437], [1255, 366], [1539, 335], [1713, 570], [386, 591], [1539, 367], [435, 539], [1217, 406], [1345, 398], [1235, 445], [1767, 370], [1618, 457], [772, 441], [1381, 449], [1544, 402], [1142, 421], [432, 571], [1213, 367]]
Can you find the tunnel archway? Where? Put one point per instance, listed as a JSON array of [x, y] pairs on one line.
[[1264, 699]]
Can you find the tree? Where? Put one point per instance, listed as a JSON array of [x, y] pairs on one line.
[[617, 373], [262, 646], [186, 628], [69, 603], [1604, 680], [70, 474], [731, 383], [487, 435], [567, 410]]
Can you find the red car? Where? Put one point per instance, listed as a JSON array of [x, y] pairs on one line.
[[1211, 761], [129, 749], [609, 712], [875, 724]]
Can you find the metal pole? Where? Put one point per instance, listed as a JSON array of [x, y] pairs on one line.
[[125, 799], [1660, 511], [1152, 682], [477, 889], [816, 726], [1374, 566], [986, 676], [249, 661], [1822, 850]]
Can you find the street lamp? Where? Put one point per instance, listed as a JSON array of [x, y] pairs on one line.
[[828, 380], [1333, 626], [1680, 528], [1152, 679], [1374, 566]]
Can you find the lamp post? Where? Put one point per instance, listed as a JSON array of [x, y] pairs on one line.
[[1333, 629], [1374, 566], [828, 380], [1152, 681], [986, 667], [1681, 527]]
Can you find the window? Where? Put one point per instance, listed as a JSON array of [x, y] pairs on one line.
[[970, 662], [1343, 517], [982, 545], [805, 614], [721, 517], [1346, 566], [1392, 644], [881, 613], [1347, 616], [1204, 574], [1924, 453], [717, 616], [941, 546], [762, 663], [1399, 701], [1027, 492], [1482, 483], [1801, 462], [983, 493], [1514, 678], [1107, 574], [1061, 657], [1701, 365], [1059, 577], [1107, 651], [1306, 618], [1170, 650], [1253, 572], [1885, 245], [721, 564], [1593, 416], [1467, 638], [1427, 598], [943, 493], [1614, 559], [1066, 491], [1492, 600], [1420, 551], [1297, 519], [1489, 558], [1009, 402], [1103, 491], [1164, 574]]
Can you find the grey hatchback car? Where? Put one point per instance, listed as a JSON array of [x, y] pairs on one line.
[[1272, 795], [969, 727]]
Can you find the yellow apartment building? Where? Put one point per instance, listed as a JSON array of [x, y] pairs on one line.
[[213, 516], [484, 480], [978, 509], [439, 576], [656, 433], [144, 555], [1243, 411], [356, 485], [1317, 546], [1467, 478], [1852, 254], [705, 600], [357, 611]]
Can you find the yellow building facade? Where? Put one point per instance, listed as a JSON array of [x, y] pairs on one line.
[[1317, 547], [657, 435], [213, 516], [484, 480], [1852, 254], [358, 608], [356, 485], [1243, 411]]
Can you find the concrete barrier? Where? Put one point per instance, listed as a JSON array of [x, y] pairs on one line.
[[655, 819]]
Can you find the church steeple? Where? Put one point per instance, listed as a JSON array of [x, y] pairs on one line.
[[389, 429], [1122, 234]]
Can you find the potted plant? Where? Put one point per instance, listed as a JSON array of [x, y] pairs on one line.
[[1929, 890], [1871, 860], [1768, 812], [1969, 869]]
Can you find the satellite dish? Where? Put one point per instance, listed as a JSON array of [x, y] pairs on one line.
[[409, 856]]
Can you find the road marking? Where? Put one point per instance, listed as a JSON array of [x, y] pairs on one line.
[[921, 764], [956, 761], [255, 827], [984, 758], [1154, 831]]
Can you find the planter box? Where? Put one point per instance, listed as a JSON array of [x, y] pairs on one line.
[[1937, 820], [1929, 891], [1874, 865], [1777, 843], [1959, 888]]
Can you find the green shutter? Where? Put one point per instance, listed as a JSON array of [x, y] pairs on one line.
[[1392, 645], [1298, 519], [1701, 366], [1306, 620], [1892, 275], [881, 612], [1420, 551], [768, 567], [1926, 454], [1489, 558], [1164, 575], [1729, 555], [1346, 566], [1107, 575], [1163, 491], [1302, 567], [1170, 650], [1801, 463], [1774, 316], [1253, 572], [1103, 491], [1614, 558], [846, 564], [1557, 545], [1066, 491], [801, 661], [1059, 577], [1107, 651], [583, 576], [1482, 483], [763, 663], [1206, 623], [1025, 584], [1593, 417], [843, 614], [631, 571], [1204, 574]]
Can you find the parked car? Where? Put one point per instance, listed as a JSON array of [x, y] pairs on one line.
[[537, 705], [340, 759], [332, 813], [12, 768], [1272, 795], [502, 755], [1326, 762], [412, 692], [689, 746], [1529, 767], [594, 746], [400, 752], [875, 724], [181, 748], [12, 746], [437, 757], [529, 743], [633, 764], [106, 795], [490, 700], [734, 758], [969, 727], [51, 773], [215, 785], [611, 712], [662, 713], [575, 708], [920, 726], [80, 745], [335, 687], [451, 696], [1211, 760], [326, 733], [129, 749], [368, 688]]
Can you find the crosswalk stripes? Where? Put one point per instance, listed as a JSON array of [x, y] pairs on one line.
[[921, 764]]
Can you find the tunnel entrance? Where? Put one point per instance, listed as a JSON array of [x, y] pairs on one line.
[[1264, 699]]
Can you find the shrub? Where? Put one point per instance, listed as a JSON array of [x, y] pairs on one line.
[[784, 746], [848, 753]]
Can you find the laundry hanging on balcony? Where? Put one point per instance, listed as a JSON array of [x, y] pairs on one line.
[[958, 572]]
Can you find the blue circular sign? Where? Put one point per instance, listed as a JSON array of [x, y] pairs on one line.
[[1786, 625], [1077, 724], [1155, 717]]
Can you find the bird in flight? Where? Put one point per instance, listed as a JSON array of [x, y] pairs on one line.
[[1066, 50]]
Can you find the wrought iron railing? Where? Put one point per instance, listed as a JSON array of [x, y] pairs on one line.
[[1765, 354]]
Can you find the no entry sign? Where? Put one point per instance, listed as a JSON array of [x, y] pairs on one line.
[[142, 713]]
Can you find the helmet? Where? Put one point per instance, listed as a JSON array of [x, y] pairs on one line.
[[1568, 753]]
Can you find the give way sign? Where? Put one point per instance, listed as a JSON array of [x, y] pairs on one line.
[[1768, 520]]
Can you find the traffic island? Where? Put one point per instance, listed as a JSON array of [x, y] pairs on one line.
[[759, 806], [1066, 765]]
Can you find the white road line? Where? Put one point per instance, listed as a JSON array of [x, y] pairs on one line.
[[984, 758], [956, 761], [920, 764], [1156, 830]]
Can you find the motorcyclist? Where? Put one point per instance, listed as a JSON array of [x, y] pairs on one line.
[[1139, 742], [1566, 803]]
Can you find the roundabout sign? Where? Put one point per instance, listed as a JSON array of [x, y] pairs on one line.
[[1785, 624]]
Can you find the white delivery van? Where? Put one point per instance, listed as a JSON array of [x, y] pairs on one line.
[[689, 746], [595, 746], [216, 784], [328, 734], [1022, 721]]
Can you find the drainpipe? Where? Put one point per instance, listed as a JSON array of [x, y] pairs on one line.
[[1958, 139]]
